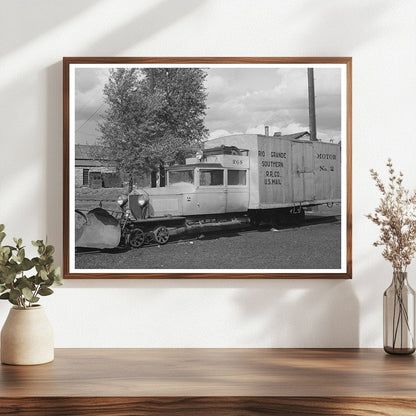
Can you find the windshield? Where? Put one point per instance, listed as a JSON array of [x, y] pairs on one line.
[[181, 176], [236, 177], [211, 177]]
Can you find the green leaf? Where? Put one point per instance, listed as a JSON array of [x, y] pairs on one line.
[[47, 260], [5, 250], [7, 297], [8, 279], [27, 293], [2, 288], [18, 242], [57, 275], [5, 253], [48, 282], [26, 264], [38, 280], [14, 267], [2, 227], [45, 291], [11, 248], [7, 275], [37, 243], [24, 282], [2, 236], [3, 269], [43, 274], [49, 250], [13, 302], [21, 255], [4, 295], [15, 294]]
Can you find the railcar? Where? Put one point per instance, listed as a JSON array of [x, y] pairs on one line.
[[235, 179]]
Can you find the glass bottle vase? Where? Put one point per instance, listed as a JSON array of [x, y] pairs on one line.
[[399, 316]]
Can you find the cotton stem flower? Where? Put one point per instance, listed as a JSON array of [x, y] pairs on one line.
[[396, 217]]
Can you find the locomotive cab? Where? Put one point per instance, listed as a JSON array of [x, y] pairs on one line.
[[216, 183]]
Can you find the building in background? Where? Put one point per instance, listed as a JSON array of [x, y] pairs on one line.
[[94, 168]]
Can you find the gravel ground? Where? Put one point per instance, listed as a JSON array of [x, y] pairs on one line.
[[314, 245]]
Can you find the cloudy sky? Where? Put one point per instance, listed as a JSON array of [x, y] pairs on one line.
[[240, 100]]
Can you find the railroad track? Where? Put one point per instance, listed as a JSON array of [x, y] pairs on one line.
[[245, 228]]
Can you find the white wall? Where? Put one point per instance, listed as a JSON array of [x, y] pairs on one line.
[[380, 35]]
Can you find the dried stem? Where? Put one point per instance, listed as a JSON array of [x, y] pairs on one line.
[[396, 217]]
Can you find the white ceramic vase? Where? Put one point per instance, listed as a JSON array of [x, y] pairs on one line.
[[27, 337]]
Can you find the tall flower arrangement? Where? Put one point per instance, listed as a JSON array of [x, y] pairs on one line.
[[396, 217]]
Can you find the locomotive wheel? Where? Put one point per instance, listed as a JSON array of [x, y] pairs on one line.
[[136, 238], [161, 235]]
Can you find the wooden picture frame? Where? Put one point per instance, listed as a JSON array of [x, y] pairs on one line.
[[246, 90]]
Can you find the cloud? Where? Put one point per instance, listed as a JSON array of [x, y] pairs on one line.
[[221, 133], [217, 87], [242, 100], [239, 100], [89, 102], [89, 84], [326, 136]]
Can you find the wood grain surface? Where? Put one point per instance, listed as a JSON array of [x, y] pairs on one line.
[[212, 381], [208, 406]]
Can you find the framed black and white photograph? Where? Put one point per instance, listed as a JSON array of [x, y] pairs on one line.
[[207, 167]]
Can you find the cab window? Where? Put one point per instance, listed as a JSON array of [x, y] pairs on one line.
[[211, 177], [181, 176], [237, 177]]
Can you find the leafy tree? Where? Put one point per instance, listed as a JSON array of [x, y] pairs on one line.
[[153, 115], [127, 119]]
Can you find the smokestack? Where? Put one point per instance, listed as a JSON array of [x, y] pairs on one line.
[[312, 115], [266, 130]]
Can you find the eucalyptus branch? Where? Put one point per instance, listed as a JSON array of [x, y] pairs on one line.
[[15, 286], [36, 292]]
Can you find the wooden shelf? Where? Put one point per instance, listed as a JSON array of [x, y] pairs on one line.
[[212, 382]]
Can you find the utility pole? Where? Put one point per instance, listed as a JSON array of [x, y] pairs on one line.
[[312, 114], [153, 173], [161, 170]]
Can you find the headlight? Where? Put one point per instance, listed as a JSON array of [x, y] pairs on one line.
[[122, 200], [143, 199]]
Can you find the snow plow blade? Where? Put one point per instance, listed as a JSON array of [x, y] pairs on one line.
[[97, 229]]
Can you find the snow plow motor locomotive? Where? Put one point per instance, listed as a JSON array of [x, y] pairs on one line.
[[96, 229]]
